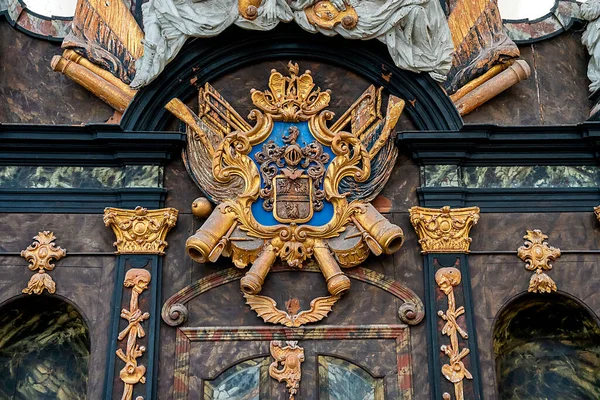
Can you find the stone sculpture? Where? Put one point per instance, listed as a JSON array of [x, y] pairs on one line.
[[415, 31], [590, 11]]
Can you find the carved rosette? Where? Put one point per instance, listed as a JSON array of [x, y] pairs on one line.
[[444, 230], [290, 357], [40, 255], [454, 371], [138, 280], [537, 255], [140, 231]]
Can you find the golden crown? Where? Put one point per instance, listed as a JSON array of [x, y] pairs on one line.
[[291, 99]]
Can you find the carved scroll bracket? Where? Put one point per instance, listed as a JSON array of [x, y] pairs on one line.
[[444, 230], [40, 255], [537, 255], [290, 357], [140, 231]]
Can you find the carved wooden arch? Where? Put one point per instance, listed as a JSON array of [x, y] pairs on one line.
[[175, 312], [203, 60]]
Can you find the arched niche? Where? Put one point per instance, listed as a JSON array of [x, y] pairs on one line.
[[205, 60], [547, 347], [44, 350]]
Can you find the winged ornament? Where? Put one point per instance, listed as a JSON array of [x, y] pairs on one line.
[[291, 186]]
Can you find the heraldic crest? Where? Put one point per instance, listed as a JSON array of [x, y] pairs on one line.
[[291, 187]]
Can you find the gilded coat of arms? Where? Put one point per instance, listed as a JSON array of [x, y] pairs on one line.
[[292, 186]]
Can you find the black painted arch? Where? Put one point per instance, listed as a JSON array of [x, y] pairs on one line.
[[428, 106]]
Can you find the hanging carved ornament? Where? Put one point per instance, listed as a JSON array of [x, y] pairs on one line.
[[132, 373], [537, 255], [291, 187], [140, 231], [444, 230], [290, 357], [455, 371], [40, 255]]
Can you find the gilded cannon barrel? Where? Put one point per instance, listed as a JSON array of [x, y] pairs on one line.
[[388, 236], [203, 242]]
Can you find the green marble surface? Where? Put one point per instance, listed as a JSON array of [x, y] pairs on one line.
[[538, 176], [547, 347], [44, 350], [128, 176]]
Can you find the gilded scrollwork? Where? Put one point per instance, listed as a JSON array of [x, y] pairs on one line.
[[40, 255], [140, 231], [455, 371], [444, 230], [287, 366], [538, 254], [138, 280], [289, 168]]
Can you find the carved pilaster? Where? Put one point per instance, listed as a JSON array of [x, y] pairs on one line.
[[444, 239], [40, 255], [537, 255], [140, 231], [140, 243], [444, 230]]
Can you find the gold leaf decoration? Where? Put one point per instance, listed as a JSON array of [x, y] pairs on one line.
[[266, 308], [40, 255], [537, 255], [444, 230], [291, 358], [140, 231]]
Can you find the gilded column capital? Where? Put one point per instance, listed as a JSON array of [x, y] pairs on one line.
[[140, 231], [597, 212], [444, 230]]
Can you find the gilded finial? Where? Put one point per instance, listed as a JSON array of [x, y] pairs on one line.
[[40, 255], [538, 254]]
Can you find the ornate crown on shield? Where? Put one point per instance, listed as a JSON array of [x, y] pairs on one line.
[[291, 187]]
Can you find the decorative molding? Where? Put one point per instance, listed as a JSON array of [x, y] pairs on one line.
[[140, 231], [174, 310], [455, 371], [444, 230], [138, 280], [185, 336], [537, 255], [291, 357], [40, 255]]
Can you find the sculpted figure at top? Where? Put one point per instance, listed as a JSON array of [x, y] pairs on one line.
[[590, 11], [415, 31]]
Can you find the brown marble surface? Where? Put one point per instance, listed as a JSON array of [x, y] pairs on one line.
[[33, 93], [555, 93], [496, 279]]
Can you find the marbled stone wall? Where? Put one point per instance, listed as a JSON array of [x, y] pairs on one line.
[[32, 93], [555, 93], [498, 278], [84, 277]]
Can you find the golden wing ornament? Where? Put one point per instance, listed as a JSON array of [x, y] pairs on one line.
[[266, 308]]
